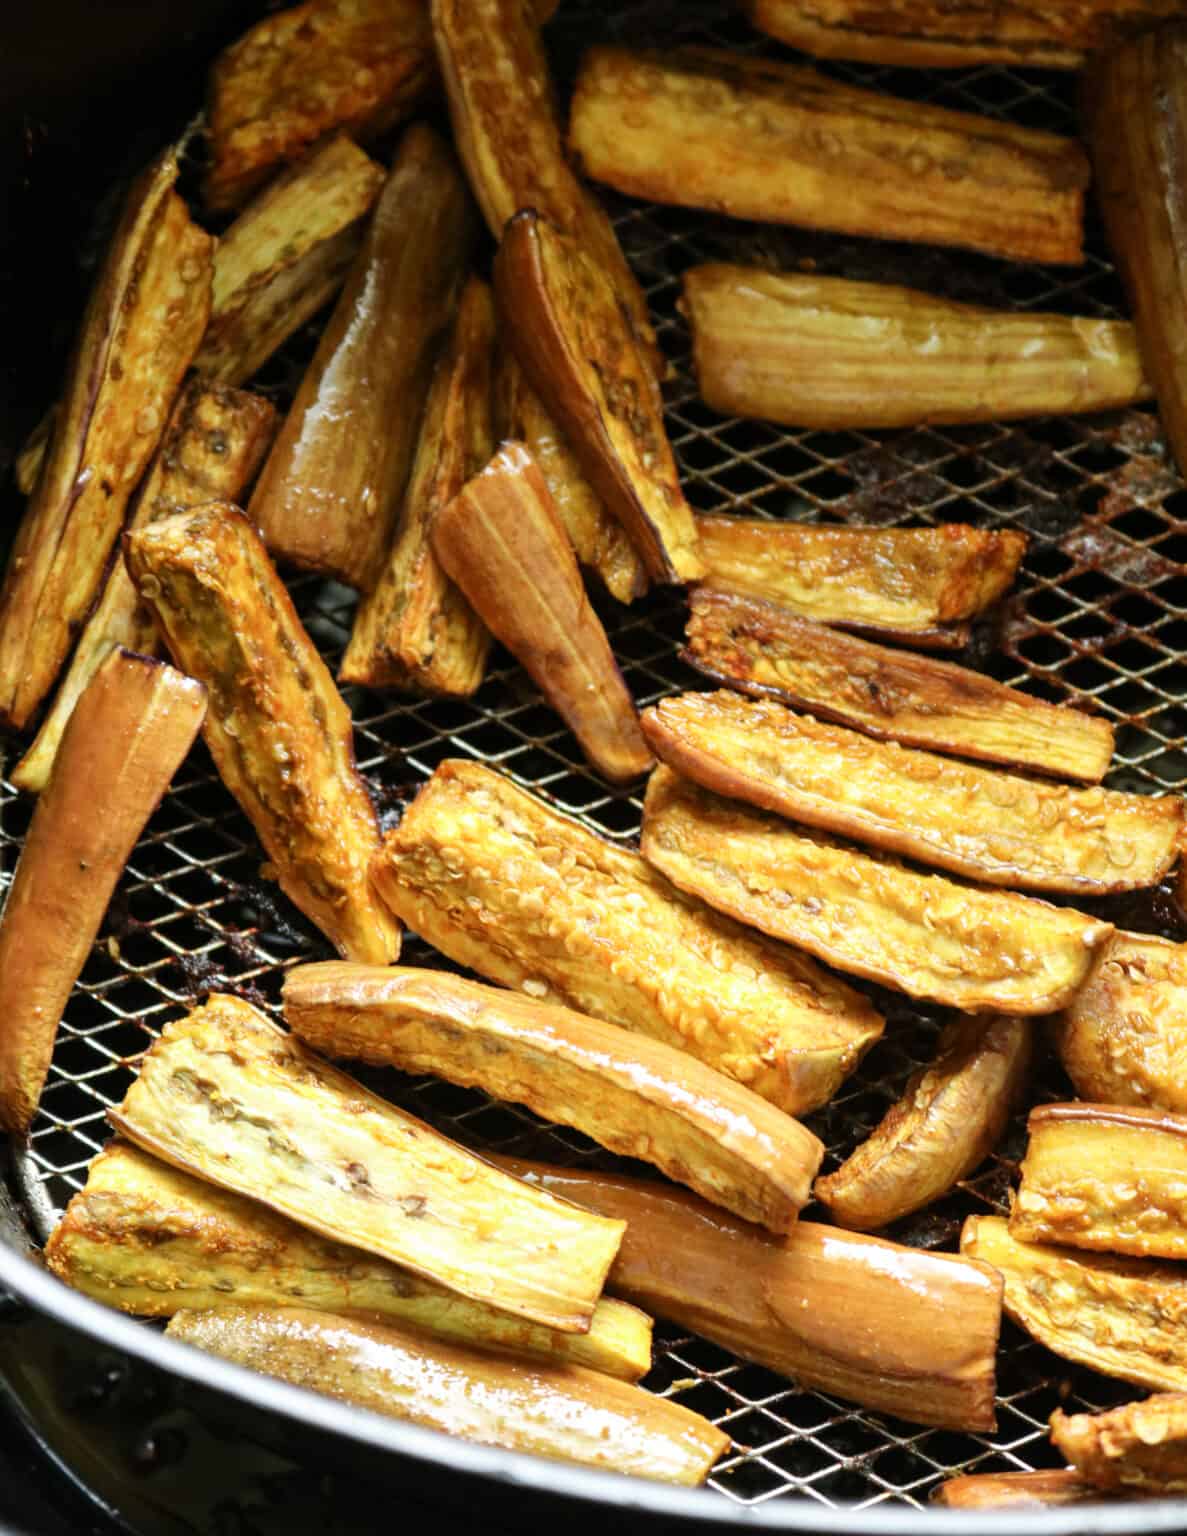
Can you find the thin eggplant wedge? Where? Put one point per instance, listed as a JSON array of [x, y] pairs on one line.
[[227, 1096], [146, 1238], [783, 144], [415, 630], [896, 1329], [918, 585], [564, 321], [503, 543], [278, 730], [134, 723], [561, 1412], [505, 885], [1138, 1448], [1123, 1317], [978, 822], [635, 1096], [214, 444], [1016, 1490], [330, 492], [763, 649], [143, 323], [825, 352]]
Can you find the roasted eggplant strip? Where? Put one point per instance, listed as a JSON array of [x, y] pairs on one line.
[[870, 916], [635, 1096], [214, 444], [781, 143], [416, 630], [505, 885], [151, 1240], [134, 723], [978, 822], [1016, 1490], [1138, 1448], [278, 730], [763, 649], [920, 585], [564, 321], [143, 323], [1123, 1317], [331, 489], [503, 543], [898, 1330], [226, 1095], [812, 351], [562, 1412]]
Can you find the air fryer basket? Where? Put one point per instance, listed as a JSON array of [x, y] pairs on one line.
[[1098, 618]]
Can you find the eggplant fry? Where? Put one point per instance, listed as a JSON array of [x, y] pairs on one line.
[[764, 650], [1123, 1317], [503, 543], [564, 321], [1016, 1490], [143, 323], [278, 730], [227, 1096], [415, 630], [134, 723], [920, 585], [562, 1412], [898, 1330], [978, 822], [783, 144], [505, 885], [1138, 1448], [146, 1238], [214, 444], [331, 489], [812, 351]]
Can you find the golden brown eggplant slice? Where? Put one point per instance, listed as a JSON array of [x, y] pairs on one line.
[[502, 883], [779, 142], [331, 489], [503, 543], [562, 317], [1138, 1448], [561, 1412], [763, 649], [226, 1095], [1016, 1490], [638, 1097], [978, 822], [278, 730], [146, 1238], [134, 723], [143, 323]]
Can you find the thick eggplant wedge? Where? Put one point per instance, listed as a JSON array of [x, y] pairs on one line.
[[978, 822], [143, 323], [1016, 1490], [1138, 1448], [505, 885], [503, 543], [564, 321], [898, 1330], [133, 725], [763, 649], [226, 1095], [780, 143], [146, 1238], [415, 630], [561, 1412], [635, 1096], [285, 256], [1120, 1316], [278, 730], [215, 442], [330, 492], [919, 585], [825, 352]]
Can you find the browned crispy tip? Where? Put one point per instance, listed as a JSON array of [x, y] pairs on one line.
[[566, 325], [503, 543], [1016, 1490], [131, 728], [1138, 1448], [779, 142]]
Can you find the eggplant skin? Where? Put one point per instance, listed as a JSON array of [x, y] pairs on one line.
[[1138, 1448]]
